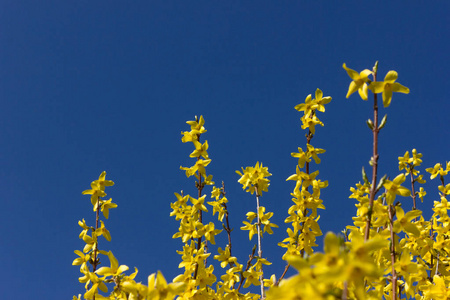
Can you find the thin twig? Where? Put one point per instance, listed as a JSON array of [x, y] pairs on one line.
[[282, 275], [199, 188], [258, 225], [309, 137], [374, 159], [227, 227], [394, 273], [96, 262], [249, 263], [411, 167]]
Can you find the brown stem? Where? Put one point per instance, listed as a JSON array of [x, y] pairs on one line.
[[374, 160], [282, 275], [227, 228], [96, 262], [200, 188], [345, 291], [412, 186], [258, 226], [305, 211], [432, 256], [413, 189], [249, 263], [394, 273], [309, 137]]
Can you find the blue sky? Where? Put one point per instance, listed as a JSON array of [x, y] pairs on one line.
[[88, 86]]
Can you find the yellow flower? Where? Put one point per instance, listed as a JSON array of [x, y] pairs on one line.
[[387, 87], [158, 288], [270, 282], [98, 188], [219, 207], [225, 257], [81, 260], [310, 122], [103, 231], [437, 170], [251, 229], [404, 223], [114, 270], [312, 152], [264, 219], [200, 150], [445, 190], [85, 228], [199, 166], [320, 100], [198, 204], [438, 290], [308, 106], [211, 232], [254, 178], [421, 193], [197, 125], [252, 277], [106, 206], [394, 188], [302, 157], [359, 82]]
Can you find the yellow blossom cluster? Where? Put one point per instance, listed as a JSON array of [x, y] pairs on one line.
[[389, 252], [198, 279], [96, 279], [322, 276], [254, 179], [362, 84], [306, 195], [417, 256]]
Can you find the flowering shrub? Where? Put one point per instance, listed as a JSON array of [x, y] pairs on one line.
[[387, 253]]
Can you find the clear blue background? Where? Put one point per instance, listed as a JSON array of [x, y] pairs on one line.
[[87, 86]]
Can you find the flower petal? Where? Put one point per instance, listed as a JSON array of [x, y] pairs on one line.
[[402, 191], [319, 94], [364, 74], [104, 271], [387, 97], [398, 88], [399, 179], [391, 76], [363, 92], [122, 269], [377, 87], [353, 87], [411, 228], [352, 73], [413, 214]]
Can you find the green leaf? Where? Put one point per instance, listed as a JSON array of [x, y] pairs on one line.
[[381, 183], [364, 175], [383, 122]]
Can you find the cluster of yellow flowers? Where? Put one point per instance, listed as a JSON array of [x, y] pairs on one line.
[[94, 278], [198, 279], [254, 179], [386, 87], [388, 252], [306, 195], [419, 259], [404, 254]]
